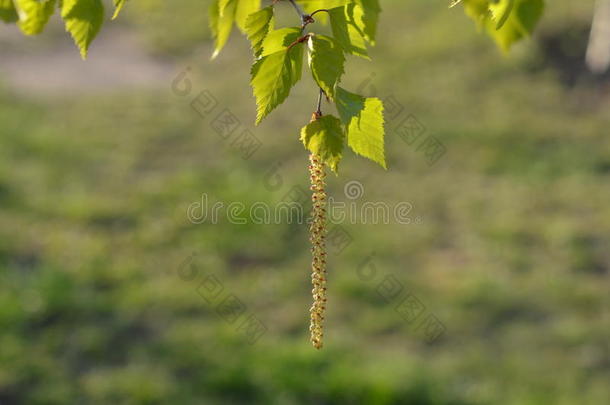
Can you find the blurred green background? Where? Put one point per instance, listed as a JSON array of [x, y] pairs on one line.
[[100, 266]]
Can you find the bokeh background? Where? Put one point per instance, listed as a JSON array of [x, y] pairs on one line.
[[101, 271]]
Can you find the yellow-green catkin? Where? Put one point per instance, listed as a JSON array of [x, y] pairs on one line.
[[317, 232]]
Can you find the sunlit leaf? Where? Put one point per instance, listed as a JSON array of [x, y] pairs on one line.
[[506, 21], [370, 16], [500, 11], [312, 5], [324, 137], [83, 19], [273, 76], [346, 33], [243, 9], [258, 26], [221, 17], [364, 122], [519, 24], [8, 13], [277, 40], [118, 6], [326, 61], [34, 15]]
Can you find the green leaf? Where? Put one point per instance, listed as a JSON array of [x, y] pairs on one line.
[[273, 76], [83, 19], [346, 33], [370, 16], [213, 17], [326, 61], [221, 17], [8, 13], [243, 10], [258, 26], [222, 6], [519, 24], [33, 15], [118, 5], [363, 119], [223, 13], [478, 10], [500, 11], [324, 137], [362, 15], [506, 21], [280, 39], [67, 6], [312, 5]]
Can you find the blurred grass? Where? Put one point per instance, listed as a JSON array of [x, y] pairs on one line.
[[512, 255]]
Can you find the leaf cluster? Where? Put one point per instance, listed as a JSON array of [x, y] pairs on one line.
[[506, 21], [82, 18], [278, 66]]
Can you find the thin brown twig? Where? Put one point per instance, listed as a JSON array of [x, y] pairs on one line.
[[319, 107], [298, 41], [318, 11]]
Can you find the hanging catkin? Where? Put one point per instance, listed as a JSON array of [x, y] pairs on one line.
[[317, 232]]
